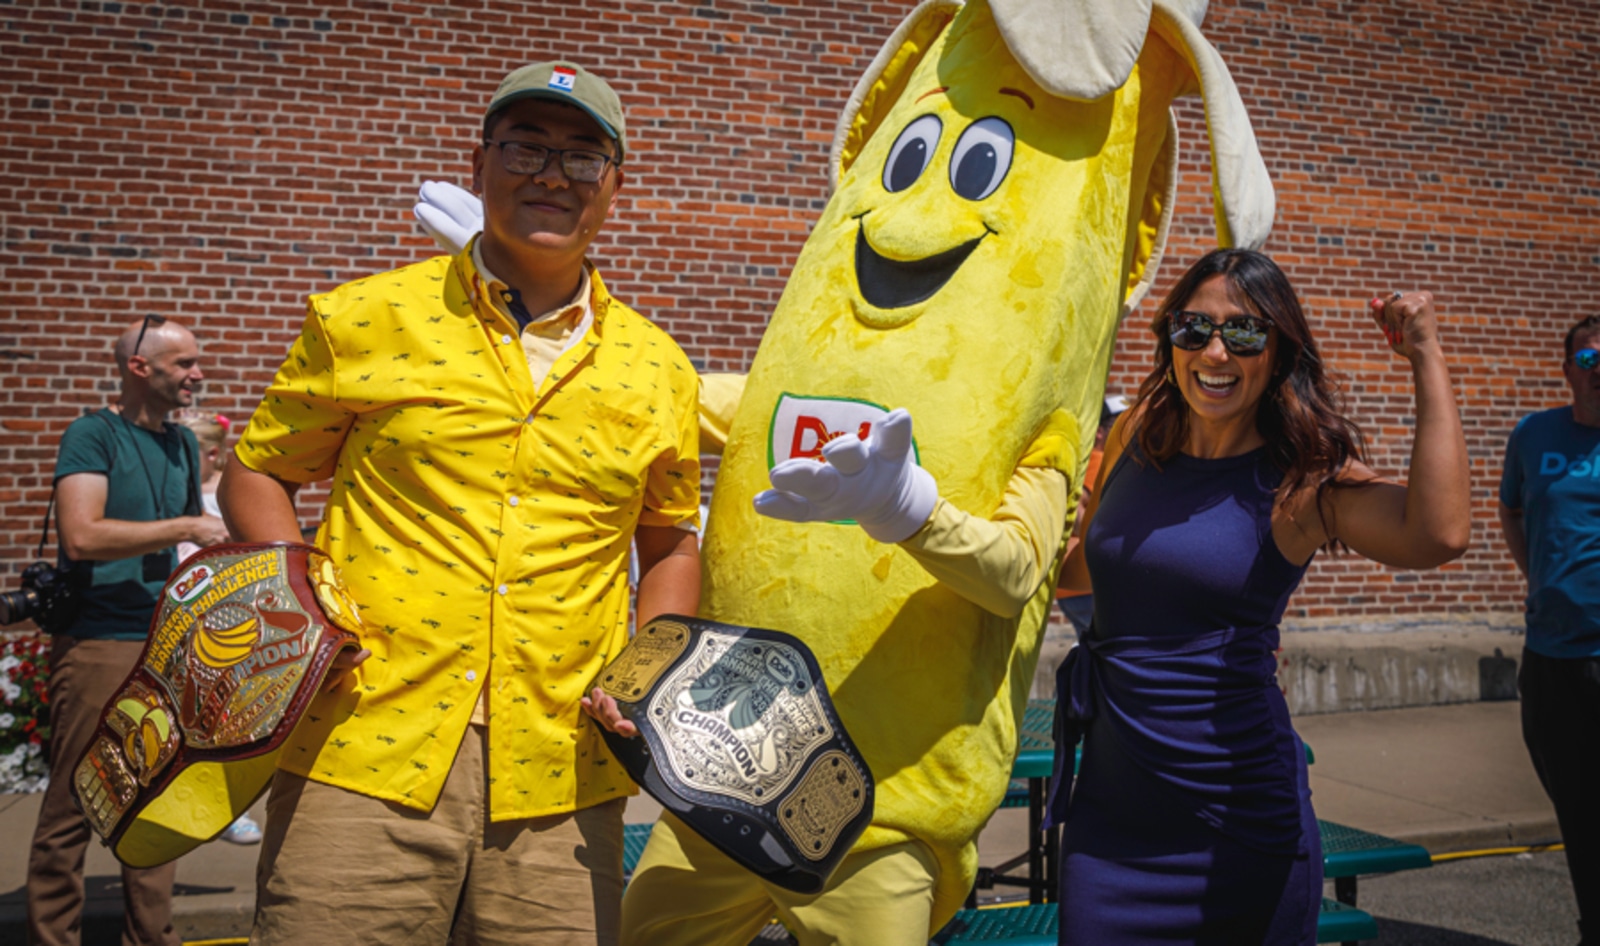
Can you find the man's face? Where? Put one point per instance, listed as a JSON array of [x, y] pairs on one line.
[[169, 363], [543, 217], [1585, 385]]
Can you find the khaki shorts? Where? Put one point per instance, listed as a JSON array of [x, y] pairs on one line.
[[338, 867]]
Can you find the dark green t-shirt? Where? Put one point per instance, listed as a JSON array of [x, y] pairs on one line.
[[149, 476]]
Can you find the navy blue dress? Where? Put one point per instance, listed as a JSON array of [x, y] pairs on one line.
[[1191, 820]]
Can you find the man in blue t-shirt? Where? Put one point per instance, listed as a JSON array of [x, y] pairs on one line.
[[1550, 511], [127, 491]]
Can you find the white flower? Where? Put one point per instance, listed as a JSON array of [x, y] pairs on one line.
[[22, 770], [11, 690], [7, 720], [9, 662]]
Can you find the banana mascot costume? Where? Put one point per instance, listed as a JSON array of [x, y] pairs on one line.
[[1003, 177]]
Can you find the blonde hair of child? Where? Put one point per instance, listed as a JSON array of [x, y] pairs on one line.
[[210, 428]]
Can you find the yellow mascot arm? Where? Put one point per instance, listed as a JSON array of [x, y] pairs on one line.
[[997, 563], [719, 400]]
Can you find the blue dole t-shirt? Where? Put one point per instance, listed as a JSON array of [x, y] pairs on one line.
[[1552, 474]]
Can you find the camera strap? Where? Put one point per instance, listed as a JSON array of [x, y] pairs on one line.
[[191, 461], [191, 456], [157, 497], [44, 527]]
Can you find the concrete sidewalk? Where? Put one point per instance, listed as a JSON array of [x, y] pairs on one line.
[[1449, 777]]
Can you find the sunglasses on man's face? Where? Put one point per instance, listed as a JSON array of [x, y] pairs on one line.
[[1242, 335], [1586, 358]]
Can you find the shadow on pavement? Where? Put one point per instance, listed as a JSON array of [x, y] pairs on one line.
[[102, 914], [1401, 933], [102, 887]]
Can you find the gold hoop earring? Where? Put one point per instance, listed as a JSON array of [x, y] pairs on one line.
[[1172, 378]]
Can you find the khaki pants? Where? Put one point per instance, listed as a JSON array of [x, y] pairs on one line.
[[687, 893], [84, 675], [339, 867]]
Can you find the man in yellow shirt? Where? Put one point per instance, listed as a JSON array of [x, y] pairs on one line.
[[497, 429]]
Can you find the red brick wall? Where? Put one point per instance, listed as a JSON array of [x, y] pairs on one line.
[[216, 161]]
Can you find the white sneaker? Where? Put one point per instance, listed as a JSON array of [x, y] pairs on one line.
[[243, 831]]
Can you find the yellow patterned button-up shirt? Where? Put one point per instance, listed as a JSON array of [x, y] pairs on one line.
[[482, 522]]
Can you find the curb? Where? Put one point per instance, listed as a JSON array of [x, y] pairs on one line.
[[1489, 835]]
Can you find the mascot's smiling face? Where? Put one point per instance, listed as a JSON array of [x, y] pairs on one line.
[[977, 166], [968, 186]]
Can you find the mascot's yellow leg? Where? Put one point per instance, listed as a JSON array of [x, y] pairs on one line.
[[684, 892], [687, 893], [882, 897]]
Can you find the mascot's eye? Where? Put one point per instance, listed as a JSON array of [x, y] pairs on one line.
[[911, 153], [982, 158]]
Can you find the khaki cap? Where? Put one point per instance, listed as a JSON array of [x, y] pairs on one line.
[[564, 82]]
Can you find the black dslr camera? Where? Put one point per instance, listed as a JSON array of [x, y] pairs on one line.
[[46, 597]]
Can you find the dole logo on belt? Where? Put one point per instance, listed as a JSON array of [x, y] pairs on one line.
[[189, 584]]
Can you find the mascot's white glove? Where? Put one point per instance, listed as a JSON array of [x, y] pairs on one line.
[[449, 214], [872, 481]]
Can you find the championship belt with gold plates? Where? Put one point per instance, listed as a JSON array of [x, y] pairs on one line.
[[739, 739], [241, 640]]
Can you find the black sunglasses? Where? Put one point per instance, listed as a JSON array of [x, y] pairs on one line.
[[159, 321], [1244, 335]]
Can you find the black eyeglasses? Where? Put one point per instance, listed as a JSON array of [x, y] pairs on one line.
[[158, 320], [522, 157], [1244, 335], [1586, 358]]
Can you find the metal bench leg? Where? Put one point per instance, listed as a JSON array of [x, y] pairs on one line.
[[1036, 842], [1344, 890], [1052, 856]]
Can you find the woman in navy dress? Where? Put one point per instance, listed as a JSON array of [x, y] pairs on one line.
[[1190, 820]]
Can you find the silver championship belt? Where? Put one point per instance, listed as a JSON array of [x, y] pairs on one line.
[[739, 739], [241, 640]]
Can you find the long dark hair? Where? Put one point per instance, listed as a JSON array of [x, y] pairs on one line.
[[1307, 438]]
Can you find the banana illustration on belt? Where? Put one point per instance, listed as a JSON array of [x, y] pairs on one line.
[[897, 465]]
